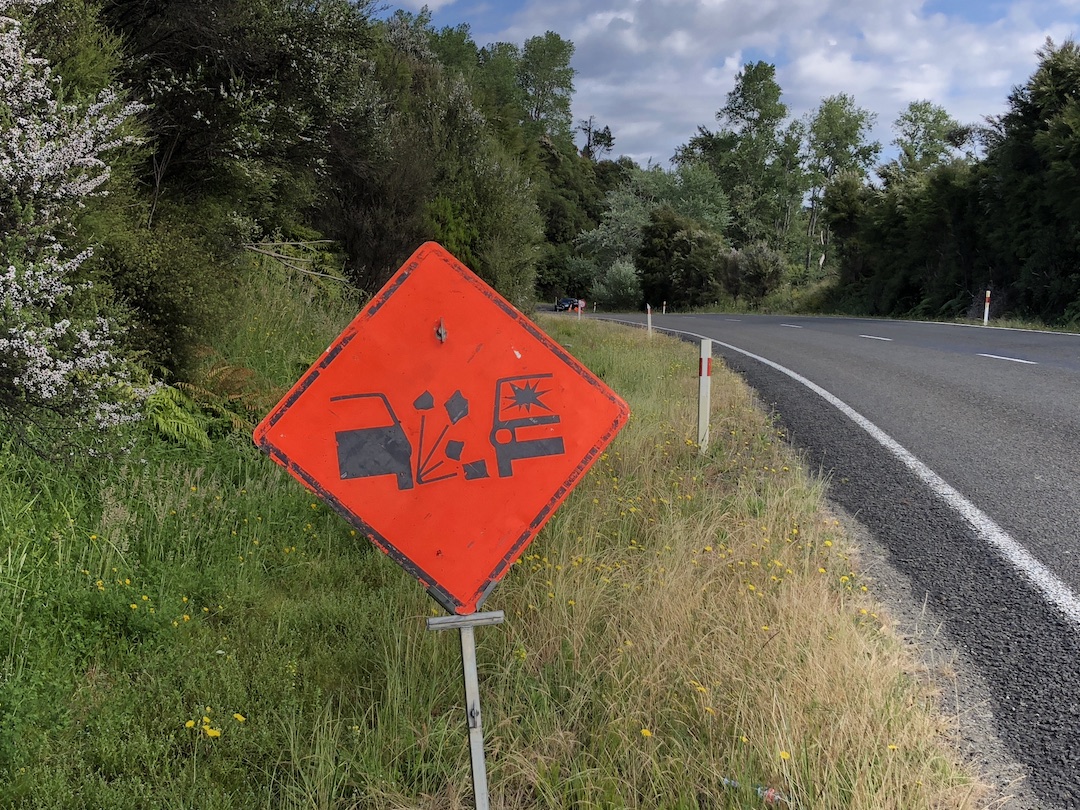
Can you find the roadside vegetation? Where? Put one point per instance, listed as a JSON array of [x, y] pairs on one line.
[[193, 205], [188, 627]]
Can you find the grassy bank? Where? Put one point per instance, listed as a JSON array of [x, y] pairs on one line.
[[189, 628]]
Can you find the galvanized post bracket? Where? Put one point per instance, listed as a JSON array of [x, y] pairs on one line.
[[466, 625]]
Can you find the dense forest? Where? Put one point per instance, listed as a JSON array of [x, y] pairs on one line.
[[148, 149]]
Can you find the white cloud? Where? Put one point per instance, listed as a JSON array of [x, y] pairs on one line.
[[654, 70]]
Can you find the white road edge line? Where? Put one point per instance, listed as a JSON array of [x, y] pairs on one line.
[[875, 337], [1010, 359], [790, 326], [1056, 592]]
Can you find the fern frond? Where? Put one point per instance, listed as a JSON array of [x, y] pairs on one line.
[[176, 418]]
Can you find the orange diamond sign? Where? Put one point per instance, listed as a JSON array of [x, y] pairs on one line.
[[445, 426]]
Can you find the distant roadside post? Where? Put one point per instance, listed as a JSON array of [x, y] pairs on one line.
[[447, 428], [704, 394], [986, 309]]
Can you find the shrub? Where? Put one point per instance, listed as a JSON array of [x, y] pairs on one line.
[[761, 269], [618, 288], [59, 366]]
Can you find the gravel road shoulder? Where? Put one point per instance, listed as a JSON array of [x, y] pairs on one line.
[[963, 695]]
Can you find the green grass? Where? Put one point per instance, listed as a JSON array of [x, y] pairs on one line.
[[681, 620], [1022, 323]]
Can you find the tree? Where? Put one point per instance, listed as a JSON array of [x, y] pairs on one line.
[[242, 95], [837, 140], [849, 206], [754, 156], [598, 141], [691, 191], [837, 144], [913, 247], [760, 269], [610, 174], [456, 50], [925, 133], [1034, 170], [619, 288], [627, 209], [935, 237], [500, 95], [569, 201], [678, 262], [754, 107], [791, 182], [547, 80], [78, 49], [61, 371], [417, 160]]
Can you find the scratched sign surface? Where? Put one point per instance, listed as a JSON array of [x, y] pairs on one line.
[[444, 425]]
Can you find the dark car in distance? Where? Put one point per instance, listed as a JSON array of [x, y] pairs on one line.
[[565, 304]]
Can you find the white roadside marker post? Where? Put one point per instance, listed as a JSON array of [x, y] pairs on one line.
[[986, 309], [648, 317], [466, 624], [704, 394]]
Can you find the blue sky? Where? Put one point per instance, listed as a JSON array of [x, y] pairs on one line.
[[655, 70]]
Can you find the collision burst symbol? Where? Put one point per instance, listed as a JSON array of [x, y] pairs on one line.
[[526, 396]]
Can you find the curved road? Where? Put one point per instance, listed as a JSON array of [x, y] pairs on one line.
[[995, 414]]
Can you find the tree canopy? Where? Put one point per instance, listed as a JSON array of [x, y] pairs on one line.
[[334, 127], [948, 225]]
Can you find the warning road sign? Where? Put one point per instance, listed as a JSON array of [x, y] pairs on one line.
[[445, 425]]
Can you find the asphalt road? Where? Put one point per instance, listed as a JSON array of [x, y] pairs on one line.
[[995, 414]]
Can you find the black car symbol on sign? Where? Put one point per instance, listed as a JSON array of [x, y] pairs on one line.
[[510, 433], [380, 449]]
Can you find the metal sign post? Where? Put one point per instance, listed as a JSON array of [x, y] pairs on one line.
[[466, 624]]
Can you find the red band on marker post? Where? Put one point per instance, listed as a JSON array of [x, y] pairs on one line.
[[704, 367]]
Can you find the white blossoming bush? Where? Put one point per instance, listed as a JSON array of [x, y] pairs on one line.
[[60, 368]]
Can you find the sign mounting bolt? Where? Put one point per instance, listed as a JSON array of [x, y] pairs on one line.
[[440, 333]]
